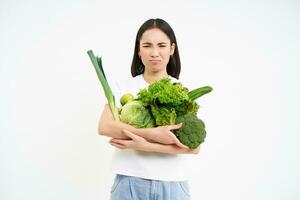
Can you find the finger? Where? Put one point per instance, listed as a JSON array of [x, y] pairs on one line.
[[175, 126], [117, 145], [120, 142], [130, 135], [178, 143]]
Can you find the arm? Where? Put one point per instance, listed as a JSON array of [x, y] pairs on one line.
[[172, 149], [114, 129], [138, 143], [108, 126]]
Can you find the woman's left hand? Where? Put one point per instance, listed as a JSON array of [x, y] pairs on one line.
[[135, 142]]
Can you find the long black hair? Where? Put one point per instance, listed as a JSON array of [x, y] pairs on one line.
[[174, 66]]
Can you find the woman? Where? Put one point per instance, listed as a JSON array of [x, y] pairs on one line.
[[149, 170]]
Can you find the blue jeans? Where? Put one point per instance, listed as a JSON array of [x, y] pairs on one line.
[[135, 188]]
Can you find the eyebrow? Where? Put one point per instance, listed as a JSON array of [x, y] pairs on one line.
[[151, 43]]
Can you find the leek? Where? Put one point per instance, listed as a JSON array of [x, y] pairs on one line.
[[97, 63]]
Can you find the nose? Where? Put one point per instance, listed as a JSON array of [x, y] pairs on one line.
[[154, 53]]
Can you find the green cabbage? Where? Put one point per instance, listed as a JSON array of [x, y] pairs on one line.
[[137, 115]]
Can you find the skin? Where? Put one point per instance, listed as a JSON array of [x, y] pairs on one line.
[[155, 45], [154, 50]]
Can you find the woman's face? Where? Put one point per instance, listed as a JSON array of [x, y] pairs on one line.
[[155, 50]]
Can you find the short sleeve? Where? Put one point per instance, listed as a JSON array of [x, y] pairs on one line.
[[120, 87], [116, 90]]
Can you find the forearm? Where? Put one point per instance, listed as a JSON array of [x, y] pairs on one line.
[[114, 129], [170, 149], [109, 127], [141, 144]]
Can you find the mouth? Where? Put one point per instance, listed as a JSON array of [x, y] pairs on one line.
[[155, 61]]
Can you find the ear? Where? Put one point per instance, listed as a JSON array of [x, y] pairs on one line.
[[173, 46]]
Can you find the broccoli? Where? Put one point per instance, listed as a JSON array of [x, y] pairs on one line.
[[192, 132]]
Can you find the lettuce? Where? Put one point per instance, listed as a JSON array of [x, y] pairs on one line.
[[167, 100]]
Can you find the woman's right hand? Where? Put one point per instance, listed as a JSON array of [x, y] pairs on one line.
[[164, 135]]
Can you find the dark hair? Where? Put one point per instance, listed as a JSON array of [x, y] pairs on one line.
[[174, 66]]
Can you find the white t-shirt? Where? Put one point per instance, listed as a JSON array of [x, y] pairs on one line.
[[149, 165]]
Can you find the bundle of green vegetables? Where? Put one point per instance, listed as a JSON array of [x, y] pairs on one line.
[[161, 103]]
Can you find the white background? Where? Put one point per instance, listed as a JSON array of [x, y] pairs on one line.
[[51, 98]]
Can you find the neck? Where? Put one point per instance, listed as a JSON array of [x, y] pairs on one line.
[[151, 77]]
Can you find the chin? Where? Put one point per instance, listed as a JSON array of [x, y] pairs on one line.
[[156, 68]]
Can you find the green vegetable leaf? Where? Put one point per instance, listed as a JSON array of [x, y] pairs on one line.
[[163, 115], [135, 114]]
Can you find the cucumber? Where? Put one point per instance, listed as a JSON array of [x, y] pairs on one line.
[[198, 92]]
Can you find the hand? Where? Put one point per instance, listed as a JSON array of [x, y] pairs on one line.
[[164, 135], [135, 142]]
